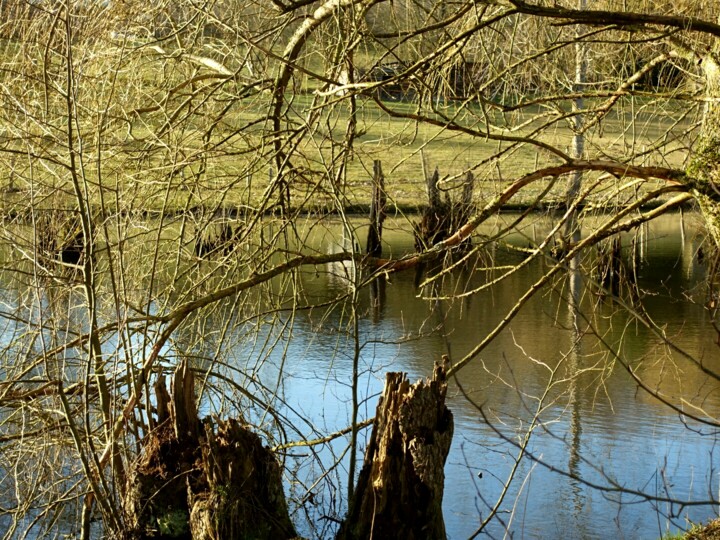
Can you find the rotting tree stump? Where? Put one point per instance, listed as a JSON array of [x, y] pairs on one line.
[[442, 217], [196, 481], [400, 487], [202, 481], [435, 223]]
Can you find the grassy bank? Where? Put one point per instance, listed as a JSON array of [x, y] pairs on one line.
[[710, 531], [153, 166]]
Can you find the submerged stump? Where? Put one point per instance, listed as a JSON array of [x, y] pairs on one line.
[[436, 222], [400, 488], [198, 481], [442, 217]]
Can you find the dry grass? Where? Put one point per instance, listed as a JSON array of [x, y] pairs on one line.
[[711, 531]]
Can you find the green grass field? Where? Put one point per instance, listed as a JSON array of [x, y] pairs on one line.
[[155, 163]]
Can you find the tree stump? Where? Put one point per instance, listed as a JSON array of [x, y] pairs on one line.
[[400, 488], [436, 222], [194, 481], [442, 217]]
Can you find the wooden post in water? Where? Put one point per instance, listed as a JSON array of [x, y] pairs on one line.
[[377, 211], [433, 191], [436, 219]]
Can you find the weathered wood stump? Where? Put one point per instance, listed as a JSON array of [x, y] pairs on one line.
[[194, 481], [435, 223], [610, 268], [400, 488], [442, 217], [217, 241]]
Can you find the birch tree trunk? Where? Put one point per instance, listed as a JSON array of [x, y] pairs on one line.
[[704, 169]]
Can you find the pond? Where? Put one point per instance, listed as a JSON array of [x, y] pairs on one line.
[[603, 458], [613, 402]]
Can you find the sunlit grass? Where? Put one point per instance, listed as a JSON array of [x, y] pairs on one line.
[[153, 163]]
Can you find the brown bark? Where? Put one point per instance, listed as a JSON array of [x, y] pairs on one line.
[[441, 218], [196, 481], [202, 481], [436, 222], [400, 488], [377, 211]]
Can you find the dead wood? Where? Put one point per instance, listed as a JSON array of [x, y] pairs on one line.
[[400, 488], [196, 480]]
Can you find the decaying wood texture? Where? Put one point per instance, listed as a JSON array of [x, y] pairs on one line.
[[435, 223], [201, 481], [442, 217], [400, 488], [212, 480]]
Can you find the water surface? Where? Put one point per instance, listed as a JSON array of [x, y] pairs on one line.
[[599, 445]]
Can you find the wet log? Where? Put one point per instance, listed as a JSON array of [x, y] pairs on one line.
[[196, 480], [400, 487]]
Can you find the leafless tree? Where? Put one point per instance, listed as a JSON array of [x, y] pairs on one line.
[[168, 169]]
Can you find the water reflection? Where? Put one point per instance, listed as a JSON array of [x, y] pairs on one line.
[[595, 427], [592, 430]]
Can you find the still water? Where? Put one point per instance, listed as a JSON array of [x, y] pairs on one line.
[[617, 417], [604, 458]]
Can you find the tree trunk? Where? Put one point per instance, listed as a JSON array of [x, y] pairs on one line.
[[704, 169], [400, 488], [194, 481]]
